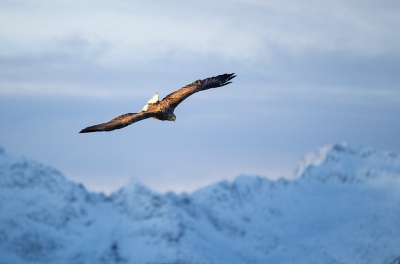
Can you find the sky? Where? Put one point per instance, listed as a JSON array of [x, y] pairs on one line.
[[309, 73]]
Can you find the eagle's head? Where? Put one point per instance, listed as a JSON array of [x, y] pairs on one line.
[[171, 117]]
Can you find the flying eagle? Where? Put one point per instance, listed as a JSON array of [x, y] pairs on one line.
[[164, 109]]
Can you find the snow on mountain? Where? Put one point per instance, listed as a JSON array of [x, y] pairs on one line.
[[344, 207], [345, 163]]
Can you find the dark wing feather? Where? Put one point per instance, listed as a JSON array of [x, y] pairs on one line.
[[175, 98], [119, 122]]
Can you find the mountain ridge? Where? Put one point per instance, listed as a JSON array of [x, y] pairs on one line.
[[343, 208]]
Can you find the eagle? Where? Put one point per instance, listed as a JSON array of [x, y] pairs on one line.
[[164, 109]]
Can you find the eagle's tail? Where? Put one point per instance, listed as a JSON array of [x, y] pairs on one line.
[[152, 100]]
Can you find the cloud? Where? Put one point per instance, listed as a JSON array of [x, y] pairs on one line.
[[232, 29], [75, 71]]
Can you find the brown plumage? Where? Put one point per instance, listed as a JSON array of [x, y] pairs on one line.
[[164, 109]]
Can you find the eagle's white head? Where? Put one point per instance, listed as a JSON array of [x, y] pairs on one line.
[[171, 117]]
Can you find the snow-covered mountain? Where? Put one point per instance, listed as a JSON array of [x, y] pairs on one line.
[[344, 207]]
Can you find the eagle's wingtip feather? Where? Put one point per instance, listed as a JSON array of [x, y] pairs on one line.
[[90, 129]]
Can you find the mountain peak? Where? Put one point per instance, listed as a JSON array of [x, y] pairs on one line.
[[347, 163], [138, 201], [19, 172], [313, 159]]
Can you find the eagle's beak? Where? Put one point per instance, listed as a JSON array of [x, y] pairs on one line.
[[174, 118]]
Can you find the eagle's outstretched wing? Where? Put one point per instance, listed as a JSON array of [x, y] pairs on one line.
[[175, 98], [119, 122]]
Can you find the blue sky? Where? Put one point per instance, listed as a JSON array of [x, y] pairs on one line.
[[309, 73]]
